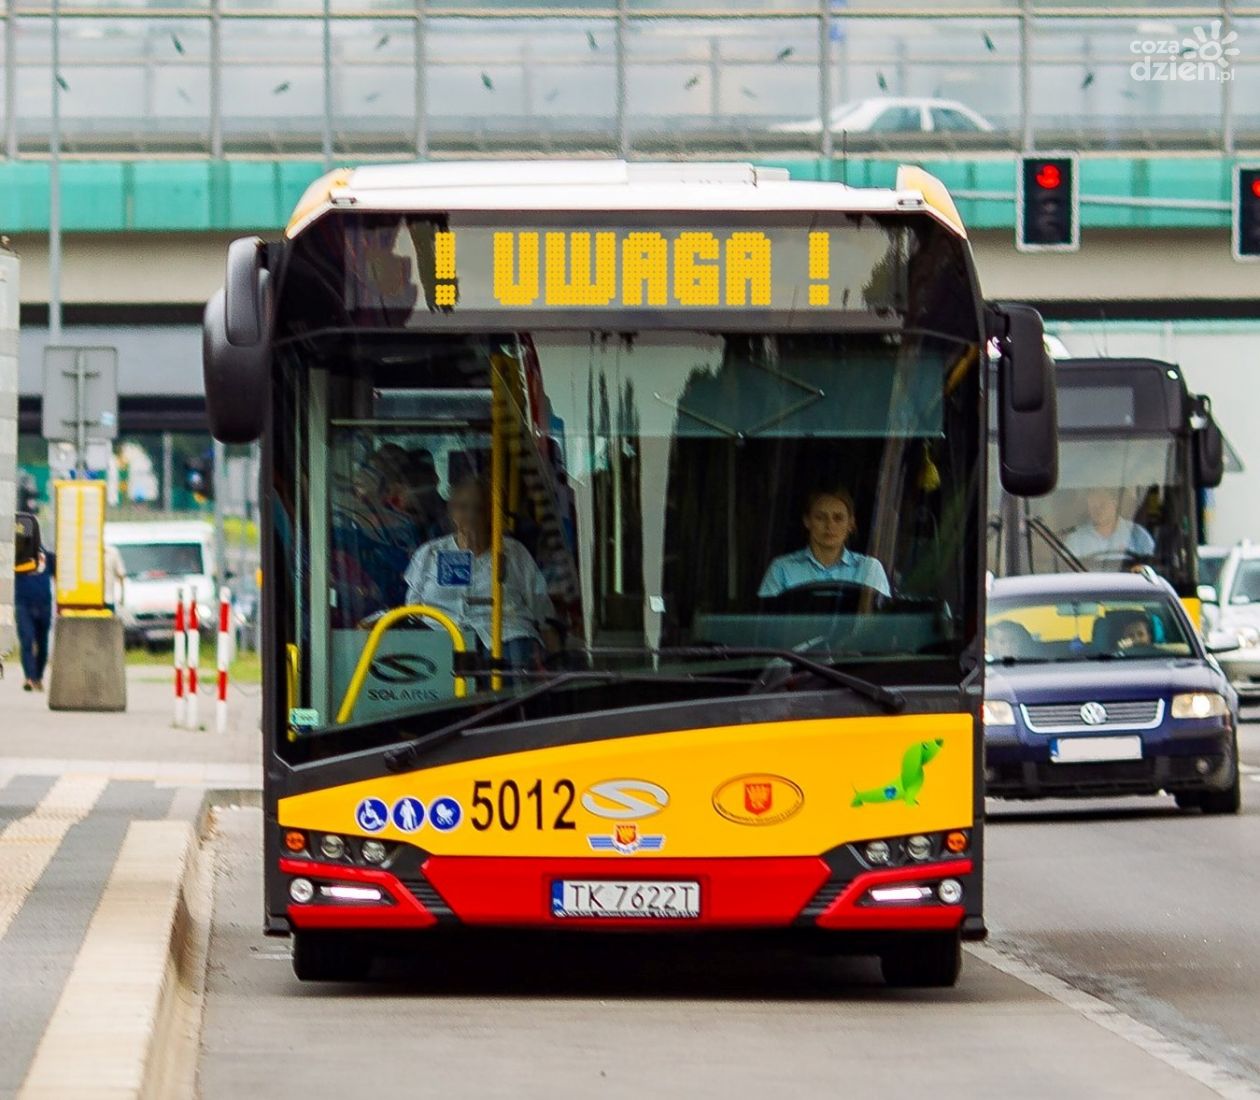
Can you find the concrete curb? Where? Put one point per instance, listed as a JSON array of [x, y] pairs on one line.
[[128, 1023]]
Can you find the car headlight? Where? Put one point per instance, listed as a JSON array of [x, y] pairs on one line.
[[997, 712], [1199, 704]]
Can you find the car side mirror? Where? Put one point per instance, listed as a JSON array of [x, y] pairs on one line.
[[1222, 641], [26, 543], [1028, 419], [1207, 594]]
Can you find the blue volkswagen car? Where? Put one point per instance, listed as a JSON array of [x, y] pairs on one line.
[[1099, 684]]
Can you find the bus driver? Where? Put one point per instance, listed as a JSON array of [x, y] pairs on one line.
[[829, 520], [452, 573]]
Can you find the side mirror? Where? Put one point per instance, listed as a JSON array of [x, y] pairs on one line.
[[1239, 601], [26, 543], [1207, 594], [1209, 446], [236, 346], [1028, 419]]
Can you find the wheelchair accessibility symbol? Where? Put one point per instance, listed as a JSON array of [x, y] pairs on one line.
[[372, 815]]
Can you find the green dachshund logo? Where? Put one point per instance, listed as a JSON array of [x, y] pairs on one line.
[[907, 786]]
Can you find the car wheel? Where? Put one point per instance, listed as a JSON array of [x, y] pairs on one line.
[[330, 957], [1228, 801], [929, 960]]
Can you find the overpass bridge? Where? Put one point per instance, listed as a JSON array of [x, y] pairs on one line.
[[145, 243]]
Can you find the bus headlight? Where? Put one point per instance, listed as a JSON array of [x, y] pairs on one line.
[[1199, 704], [997, 712], [950, 891], [918, 847], [878, 852], [301, 890], [373, 851], [332, 847]]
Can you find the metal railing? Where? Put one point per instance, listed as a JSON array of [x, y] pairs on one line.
[[627, 77]]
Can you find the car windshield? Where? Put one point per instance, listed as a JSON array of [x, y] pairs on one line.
[[1210, 566], [152, 560], [1245, 588], [1036, 629]]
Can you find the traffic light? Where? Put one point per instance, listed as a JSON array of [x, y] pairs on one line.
[[1246, 237], [199, 478], [1047, 204]]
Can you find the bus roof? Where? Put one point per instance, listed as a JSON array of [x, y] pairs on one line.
[[610, 185]]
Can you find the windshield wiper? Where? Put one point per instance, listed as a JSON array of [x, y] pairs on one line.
[[892, 701], [407, 754], [1089, 657]]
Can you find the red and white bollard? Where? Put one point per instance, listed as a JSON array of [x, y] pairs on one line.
[[180, 656], [194, 658], [224, 654]]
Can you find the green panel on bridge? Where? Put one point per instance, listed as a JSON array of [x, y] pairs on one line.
[[200, 196]]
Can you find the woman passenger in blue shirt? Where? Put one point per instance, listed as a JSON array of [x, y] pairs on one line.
[[829, 519]]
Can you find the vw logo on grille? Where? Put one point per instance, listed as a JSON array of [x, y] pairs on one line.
[[1093, 714]]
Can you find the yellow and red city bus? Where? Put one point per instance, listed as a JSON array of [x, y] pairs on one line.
[[625, 559]]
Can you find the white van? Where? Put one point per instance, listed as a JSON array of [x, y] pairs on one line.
[[159, 559]]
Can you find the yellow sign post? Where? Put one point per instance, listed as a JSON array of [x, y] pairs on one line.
[[88, 671], [80, 544]]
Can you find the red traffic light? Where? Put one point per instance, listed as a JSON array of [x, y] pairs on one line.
[[1255, 187], [1049, 177]]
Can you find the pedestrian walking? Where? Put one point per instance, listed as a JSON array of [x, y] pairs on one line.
[[33, 602]]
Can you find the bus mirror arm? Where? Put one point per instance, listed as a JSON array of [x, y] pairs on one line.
[[236, 346], [243, 306], [1028, 445], [1208, 444]]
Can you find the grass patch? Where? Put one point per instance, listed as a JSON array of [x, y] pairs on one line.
[[245, 669]]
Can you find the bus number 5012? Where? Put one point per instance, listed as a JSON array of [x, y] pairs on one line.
[[507, 805]]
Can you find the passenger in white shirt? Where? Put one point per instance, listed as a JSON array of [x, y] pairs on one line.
[[1107, 533], [453, 573]]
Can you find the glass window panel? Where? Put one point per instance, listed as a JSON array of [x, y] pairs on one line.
[[113, 5], [274, 7], [917, 6], [761, 7], [1109, 83], [273, 83], [705, 82], [389, 7], [542, 82], [969, 63], [374, 84], [126, 83], [507, 6], [1245, 70]]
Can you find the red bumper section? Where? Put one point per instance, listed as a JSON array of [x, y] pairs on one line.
[[734, 893]]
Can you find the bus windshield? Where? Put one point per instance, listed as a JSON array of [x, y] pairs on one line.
[[636, 492], [1120, 503]]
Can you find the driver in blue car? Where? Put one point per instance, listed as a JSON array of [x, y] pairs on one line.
[[830, 521]]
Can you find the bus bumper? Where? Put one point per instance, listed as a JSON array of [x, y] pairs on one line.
[[735, 893]]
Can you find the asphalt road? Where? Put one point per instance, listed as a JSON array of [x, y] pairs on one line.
[[1151, 910]]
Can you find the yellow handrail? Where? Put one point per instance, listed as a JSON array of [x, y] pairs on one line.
[[420, 610], [498, 402], [292, 665]]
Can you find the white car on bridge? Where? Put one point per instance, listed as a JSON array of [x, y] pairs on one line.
[[896, 115]]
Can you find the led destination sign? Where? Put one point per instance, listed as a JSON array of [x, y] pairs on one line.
[[416, 266]]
